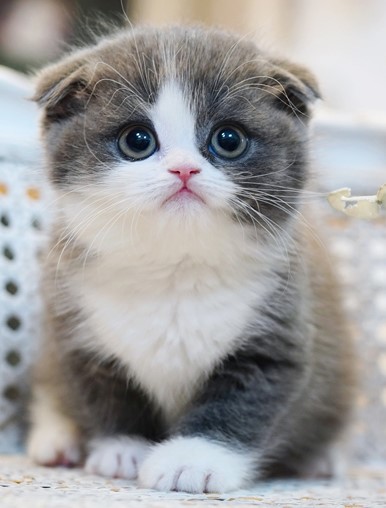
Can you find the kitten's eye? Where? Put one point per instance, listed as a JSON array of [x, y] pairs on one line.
[[137, 142], [228, 142]]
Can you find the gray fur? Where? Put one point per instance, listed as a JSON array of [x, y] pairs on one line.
[[286, 392]]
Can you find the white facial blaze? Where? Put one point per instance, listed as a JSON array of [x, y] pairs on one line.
[[175, 125]]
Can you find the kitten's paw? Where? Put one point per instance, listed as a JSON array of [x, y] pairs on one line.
[[117, 457], [54, 445], [195, 465]]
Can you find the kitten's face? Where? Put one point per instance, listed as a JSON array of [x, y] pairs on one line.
[[180, 125]]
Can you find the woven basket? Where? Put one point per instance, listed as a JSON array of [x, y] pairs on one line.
[[359, 246]]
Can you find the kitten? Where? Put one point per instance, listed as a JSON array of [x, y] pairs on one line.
[[195, 338]]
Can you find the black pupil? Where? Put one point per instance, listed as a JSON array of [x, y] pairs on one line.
[[138, 140], [229, 140]]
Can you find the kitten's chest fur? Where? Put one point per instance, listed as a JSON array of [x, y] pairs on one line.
[[171, 324]]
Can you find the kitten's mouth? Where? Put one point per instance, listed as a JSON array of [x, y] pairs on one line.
[[184, 194]]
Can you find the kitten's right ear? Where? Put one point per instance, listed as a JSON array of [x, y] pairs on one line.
[[294, 86], [62, 90]]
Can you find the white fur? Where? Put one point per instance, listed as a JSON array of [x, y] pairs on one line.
[[195, 465], [173, 285], [169, 324], [117, 457], [174, 122], [53, 439]]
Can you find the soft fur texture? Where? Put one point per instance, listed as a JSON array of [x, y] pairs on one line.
[[194, 338]]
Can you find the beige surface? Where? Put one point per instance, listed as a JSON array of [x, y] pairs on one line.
[[23, 485]]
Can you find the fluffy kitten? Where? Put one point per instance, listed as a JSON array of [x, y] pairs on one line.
[[194, 331]]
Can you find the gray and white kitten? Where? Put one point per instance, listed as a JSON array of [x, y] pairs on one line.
[[195, 338]]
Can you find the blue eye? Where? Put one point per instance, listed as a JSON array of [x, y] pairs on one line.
[[228, 142], [137, 142]]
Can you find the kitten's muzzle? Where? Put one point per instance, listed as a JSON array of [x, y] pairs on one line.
[[184, 173]]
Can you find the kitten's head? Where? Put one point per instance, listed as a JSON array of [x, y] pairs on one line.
[[177, 125]]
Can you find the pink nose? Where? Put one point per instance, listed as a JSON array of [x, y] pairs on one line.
[[184, 174]]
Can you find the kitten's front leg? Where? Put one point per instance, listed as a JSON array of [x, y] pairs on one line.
[[54, 439], [217, 445]]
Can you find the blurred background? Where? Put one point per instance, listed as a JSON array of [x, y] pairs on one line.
[[342, 41]]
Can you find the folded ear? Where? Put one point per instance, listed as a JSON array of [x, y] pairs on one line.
[[295, 88], [62, 90]]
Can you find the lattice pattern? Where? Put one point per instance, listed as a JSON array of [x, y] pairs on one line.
[[22, 222], [360, 250]]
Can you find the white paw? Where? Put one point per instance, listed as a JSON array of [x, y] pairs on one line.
[[117, 457], [195, 465], [55, 443]]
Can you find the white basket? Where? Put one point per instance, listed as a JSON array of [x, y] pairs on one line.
[[360, 248]]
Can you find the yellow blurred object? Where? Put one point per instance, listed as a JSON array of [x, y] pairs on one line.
[[33, 193], [363, 207]]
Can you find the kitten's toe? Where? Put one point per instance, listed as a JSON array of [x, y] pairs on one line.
[[54, 445], [117, 457], [195, 465]]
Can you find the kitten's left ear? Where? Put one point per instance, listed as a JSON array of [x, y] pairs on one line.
[[295, 87], [61, 90]]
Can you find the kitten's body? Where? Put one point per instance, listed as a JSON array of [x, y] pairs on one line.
[[209, 317]]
